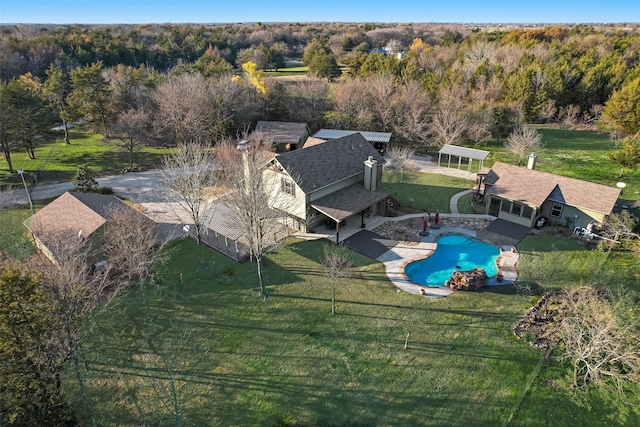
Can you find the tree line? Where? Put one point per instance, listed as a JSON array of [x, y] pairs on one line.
[[426, 84]]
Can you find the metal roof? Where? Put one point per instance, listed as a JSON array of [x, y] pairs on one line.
[[384, 137], [469, 153]]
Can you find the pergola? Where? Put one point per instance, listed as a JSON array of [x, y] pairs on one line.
[[460, 152]]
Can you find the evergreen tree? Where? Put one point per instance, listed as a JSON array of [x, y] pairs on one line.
[[85, 181]]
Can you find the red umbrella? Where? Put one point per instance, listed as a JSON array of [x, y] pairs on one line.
[[436, 219], [424, 223]]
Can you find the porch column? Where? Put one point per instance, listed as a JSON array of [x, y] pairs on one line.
[[337, 232], [439, 156]]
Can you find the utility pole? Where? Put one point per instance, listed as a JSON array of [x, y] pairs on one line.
[[21, 172]]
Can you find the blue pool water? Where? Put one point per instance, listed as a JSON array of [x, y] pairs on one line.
[[453, 252]]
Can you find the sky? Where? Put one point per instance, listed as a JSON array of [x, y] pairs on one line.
[[232, 11]]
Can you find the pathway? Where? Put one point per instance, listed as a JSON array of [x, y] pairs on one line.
[[453, 204]]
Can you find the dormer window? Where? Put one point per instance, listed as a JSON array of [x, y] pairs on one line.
[[287, 186]]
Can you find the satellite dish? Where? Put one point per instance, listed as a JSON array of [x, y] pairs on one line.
[[621, 185]]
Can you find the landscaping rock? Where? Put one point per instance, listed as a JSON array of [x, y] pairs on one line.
[[467, 280]]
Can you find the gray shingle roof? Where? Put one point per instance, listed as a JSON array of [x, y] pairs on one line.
[[283, 132], [534, 187], [320, 165], [348, 201]]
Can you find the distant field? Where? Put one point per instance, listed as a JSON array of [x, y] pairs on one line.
[[288, 72]]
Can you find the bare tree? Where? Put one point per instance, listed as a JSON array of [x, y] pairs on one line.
[[593, 115], [77, 286], [486, 91], [190, 180], [523, 141], [130, 245], [131, 128], [570, 116], [450, 120], [190, 107], [184, 108], [255, 198], [337, 265], [479, 127], [600, 347], [412, 106], [548, 111], [307, 101], [381, 90], [351, 102], [620, 225]]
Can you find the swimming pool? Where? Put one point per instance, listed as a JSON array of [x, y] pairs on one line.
[[454, 252]]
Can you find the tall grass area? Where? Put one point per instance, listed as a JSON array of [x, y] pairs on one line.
[[424, 191], [201, 341], [57, 161], [14, 238]]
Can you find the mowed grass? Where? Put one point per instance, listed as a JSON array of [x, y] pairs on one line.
[[424, 191], [57, 161], [203, 339]]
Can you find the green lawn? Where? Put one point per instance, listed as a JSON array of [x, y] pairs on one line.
[[57, 161], [226, 357], [428, 191]]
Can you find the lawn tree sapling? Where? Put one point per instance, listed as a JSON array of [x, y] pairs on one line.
[[191, 182], [337, 264]]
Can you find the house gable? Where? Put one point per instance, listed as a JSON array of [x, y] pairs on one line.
[[322, 165]]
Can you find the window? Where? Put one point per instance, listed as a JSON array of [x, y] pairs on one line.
[[517, 209], [556, 210], [506, 206], [287, 186], [527, 211]]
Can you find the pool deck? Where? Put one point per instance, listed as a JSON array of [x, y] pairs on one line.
[[403, 253], [399, 256]]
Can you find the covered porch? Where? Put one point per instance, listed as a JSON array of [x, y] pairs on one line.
[[346, 211]]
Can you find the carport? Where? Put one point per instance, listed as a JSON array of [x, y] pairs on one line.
[[463, 152]]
